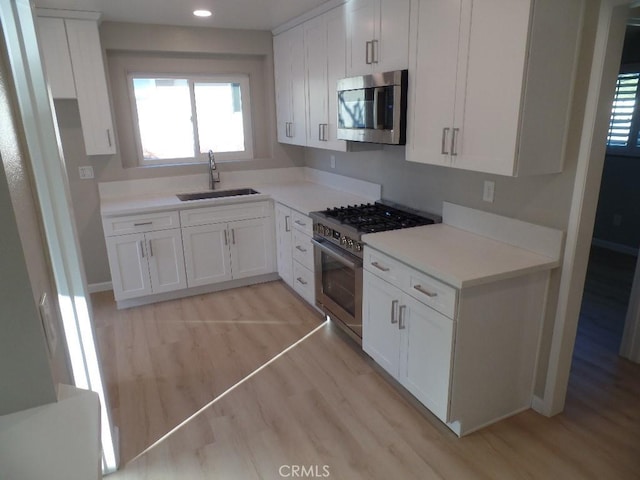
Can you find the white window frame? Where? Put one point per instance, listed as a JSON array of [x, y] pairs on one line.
[[245, 92]]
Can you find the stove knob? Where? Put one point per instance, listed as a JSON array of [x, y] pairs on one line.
[[318, 228], [358, 247], [350, 243], [343, 240], [327, 232]]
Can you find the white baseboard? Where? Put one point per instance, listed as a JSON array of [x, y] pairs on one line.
[[616, 247], [99, 287], [537, 404]]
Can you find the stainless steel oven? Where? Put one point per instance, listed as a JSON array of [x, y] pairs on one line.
[[339, 286]]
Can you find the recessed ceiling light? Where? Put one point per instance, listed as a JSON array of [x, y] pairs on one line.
[[202, 13]]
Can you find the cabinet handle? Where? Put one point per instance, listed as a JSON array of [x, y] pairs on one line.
[[380, 267], [301, 280], [367, 55], [226, 238], [302, 224], [233, 236], [445, 134], [287, 228], [325, 127], [109, 136], [421, 289], [141, 224], [454, 137], [401, 321], [303, 250], [394, 305], [142, 248], [320, 132], [374, 51], [150, 248]]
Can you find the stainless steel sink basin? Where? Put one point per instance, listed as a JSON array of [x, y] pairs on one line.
[[185, 197]]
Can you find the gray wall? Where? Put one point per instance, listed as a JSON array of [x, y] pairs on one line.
[[146, 46]]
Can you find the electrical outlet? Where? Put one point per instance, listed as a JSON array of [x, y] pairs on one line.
[[489, 191], [333, 161], [86, 172], [48, 322]]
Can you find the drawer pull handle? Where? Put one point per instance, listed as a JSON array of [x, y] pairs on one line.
[[425, 291], [142, 248], [302, 224], [380, 267], [394, 306], [303, 250], [142, 224], [301, 280]]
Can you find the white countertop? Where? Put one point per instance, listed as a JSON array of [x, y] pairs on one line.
[[302, 196], [458, 257]]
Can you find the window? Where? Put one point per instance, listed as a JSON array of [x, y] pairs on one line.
[[623, 138], [179, 119]]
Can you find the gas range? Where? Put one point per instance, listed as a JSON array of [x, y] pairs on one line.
[[344, 226]]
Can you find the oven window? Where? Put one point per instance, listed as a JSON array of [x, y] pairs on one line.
[[339, 283]]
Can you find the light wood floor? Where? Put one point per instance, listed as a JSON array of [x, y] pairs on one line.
[[322, 403]]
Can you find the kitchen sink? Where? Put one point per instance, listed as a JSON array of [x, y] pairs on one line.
[[185, 197]]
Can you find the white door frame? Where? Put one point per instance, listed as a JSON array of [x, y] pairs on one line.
[[607, 52], [54, 199]]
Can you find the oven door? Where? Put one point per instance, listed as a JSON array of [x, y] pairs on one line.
[[339, 286]]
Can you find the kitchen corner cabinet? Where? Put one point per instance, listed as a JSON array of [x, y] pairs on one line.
[[377, 36], [491, 95], [227, 242], [468, 355], [289, 72], [146, 263], [324, 43], [75, 69]]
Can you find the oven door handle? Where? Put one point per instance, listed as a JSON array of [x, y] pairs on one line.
[[350, 262]]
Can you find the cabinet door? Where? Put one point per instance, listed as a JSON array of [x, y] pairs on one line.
[[128, 264], [166, 260], [252, 247], [206, 254], [391, 49], [316, 43], [91, 86], [435, 32], [426, 362], [361, 30], [52, 38], [336, 65], [380, 332], [282, 76], [298, 133], [283, 243]]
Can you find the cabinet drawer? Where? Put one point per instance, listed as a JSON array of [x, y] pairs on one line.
[[302, 249], [224, 213], [302, 222], [147, 222], [304, 283], [386, 268], [432, 292]]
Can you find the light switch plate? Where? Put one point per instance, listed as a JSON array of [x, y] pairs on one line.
[[333, 161], [86, 172]]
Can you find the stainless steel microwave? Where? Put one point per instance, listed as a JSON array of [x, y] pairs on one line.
[[373, 108]]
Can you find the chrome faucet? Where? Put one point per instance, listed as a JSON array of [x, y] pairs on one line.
[[212, 167]]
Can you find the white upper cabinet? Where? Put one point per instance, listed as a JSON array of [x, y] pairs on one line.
[[57, 59], [324, 42], [377, 36], [490, 83], [78, 41], [289, 70]]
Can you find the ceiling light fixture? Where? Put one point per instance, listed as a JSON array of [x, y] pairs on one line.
[[202, 13]]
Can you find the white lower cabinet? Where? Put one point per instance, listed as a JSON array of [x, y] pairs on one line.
[[295, 251], [410, 340], [146, 263], [251, 246], [206, 254]]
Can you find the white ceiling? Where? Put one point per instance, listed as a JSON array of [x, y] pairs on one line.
[[249, 14]]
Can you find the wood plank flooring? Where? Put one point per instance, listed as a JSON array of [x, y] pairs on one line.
[[323, 404]]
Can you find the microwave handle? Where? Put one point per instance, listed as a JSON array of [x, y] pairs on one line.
[[378, 107]]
